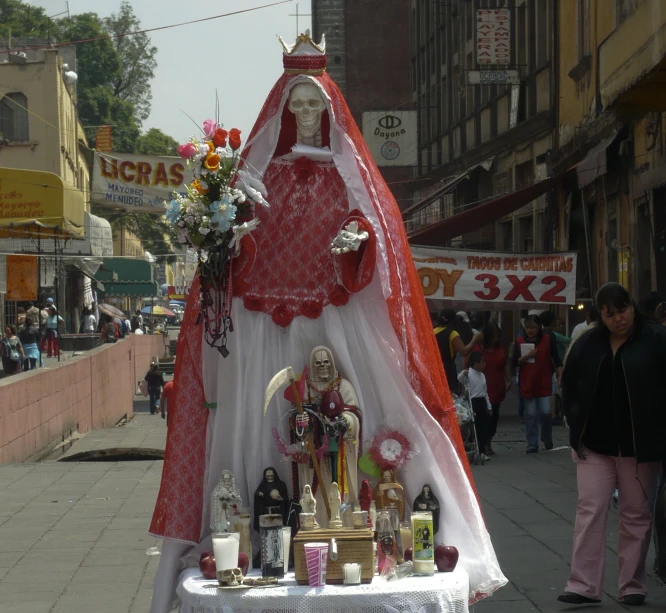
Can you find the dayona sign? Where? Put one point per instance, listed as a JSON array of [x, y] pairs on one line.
[[473, 276]]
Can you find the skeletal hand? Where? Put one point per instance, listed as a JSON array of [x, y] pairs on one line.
[[349, 239]]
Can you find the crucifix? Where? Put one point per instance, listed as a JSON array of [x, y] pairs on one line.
[[297, 15]]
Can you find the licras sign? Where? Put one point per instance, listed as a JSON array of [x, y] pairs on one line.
[[473, 276], [140, 183]]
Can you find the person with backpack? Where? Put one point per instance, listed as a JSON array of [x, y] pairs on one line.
[[53, 321], [109, 333], [155, 382], [12, 351]]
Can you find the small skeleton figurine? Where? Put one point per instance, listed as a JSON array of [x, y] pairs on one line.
[[427, 501], [224, 499], [308, 503]]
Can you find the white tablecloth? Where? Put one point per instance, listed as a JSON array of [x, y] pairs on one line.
[[441, 593]]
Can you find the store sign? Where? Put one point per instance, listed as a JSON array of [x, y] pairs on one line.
[[391, 137], [493, 37], [140, 183], [104, 140], [474, 276], [21, 277], [493, 77]]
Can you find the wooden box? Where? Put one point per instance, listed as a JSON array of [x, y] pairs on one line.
[[353, 546]]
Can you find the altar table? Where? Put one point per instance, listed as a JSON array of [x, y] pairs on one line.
[[441, 593]]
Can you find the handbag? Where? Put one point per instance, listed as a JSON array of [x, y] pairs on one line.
[[11, 351]]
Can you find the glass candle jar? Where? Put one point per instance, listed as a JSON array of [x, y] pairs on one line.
[[272, 546], [241, 523], [423, 548], [386, 545]]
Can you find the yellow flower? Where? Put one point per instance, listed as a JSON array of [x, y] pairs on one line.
[[200, 188], [212, 161], [211, 146]]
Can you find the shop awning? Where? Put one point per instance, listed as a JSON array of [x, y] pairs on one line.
[[593, 164], [446, 187], [478, 216], [135, 290], [34, 203], [129, 269]]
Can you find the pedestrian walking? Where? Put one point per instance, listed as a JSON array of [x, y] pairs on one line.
[[478, 397], [449, 343], [498, 376], [155, 382], [613, 389], [536, 355], [89, 321], [109, 332], [167, 400], [12, 351], [29, 337], [53, 321]]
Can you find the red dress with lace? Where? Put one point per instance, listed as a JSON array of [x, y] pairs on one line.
[[290, 270]]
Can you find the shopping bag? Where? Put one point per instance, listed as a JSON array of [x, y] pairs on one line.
[[660, 529], [143, 387]]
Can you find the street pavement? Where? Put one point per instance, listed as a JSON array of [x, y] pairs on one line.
[[73, 536]]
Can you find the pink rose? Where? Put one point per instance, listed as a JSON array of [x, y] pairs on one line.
[[187, 150], [209, 127]]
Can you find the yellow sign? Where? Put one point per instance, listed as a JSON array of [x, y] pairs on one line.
[[33, 202], [21, 277], [103, 141], [623, 260]]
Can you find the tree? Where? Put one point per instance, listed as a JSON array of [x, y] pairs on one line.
[[26, 21], [138, 62], [156, 142]]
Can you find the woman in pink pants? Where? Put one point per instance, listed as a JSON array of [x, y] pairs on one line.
[[613, 387]]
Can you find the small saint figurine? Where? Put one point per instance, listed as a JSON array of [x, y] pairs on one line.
[[309, 503], [389, 494], [427, 501], [334, 502], [224, 499], [271, 497]]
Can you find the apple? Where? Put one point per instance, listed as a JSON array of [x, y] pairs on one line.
[[243, 563], [207, 565], [407, 554], [446, 558]]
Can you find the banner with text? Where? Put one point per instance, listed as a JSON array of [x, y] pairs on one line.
[[140, 183], [474, 276]]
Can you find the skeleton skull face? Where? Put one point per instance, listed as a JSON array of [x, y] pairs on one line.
[[270, 476], [323, 365], [231, 577], [306, 103]]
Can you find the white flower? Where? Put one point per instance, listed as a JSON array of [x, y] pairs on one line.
[[240, 231], [189, 219], [254, 188], [203, 230]]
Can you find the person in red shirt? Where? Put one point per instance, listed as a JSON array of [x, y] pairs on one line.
[[167, 399], [536, 355], [498, 377]]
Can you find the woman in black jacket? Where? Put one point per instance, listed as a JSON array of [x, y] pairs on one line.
[[613, 389]]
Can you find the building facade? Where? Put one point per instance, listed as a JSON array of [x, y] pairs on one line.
[[611, 125], [40, 132], [478, 142], [368, 58]]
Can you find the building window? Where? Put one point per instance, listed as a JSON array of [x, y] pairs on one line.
[[624, 9], [543, 34], [14, 117], [583, 24]]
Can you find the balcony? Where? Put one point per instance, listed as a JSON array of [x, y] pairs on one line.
[[632, 62]]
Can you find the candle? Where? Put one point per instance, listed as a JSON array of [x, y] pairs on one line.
[[352, 574], [242, 524], [225, 546], [272, 546], [423, 552], [405, 535], [286, 541]]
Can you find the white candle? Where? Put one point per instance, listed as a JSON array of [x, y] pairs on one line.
[[225, 546], [286, 541], [352, 574]]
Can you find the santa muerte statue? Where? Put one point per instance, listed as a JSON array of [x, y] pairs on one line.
[[328, 265]]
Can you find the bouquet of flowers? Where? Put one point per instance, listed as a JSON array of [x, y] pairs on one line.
[[213, 216]]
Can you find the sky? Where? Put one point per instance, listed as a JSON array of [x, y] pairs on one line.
[[239, 56]]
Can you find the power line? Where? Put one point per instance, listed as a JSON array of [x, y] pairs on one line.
[[145, 31]]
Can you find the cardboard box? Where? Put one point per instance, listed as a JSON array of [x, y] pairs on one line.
[[353, 546]]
